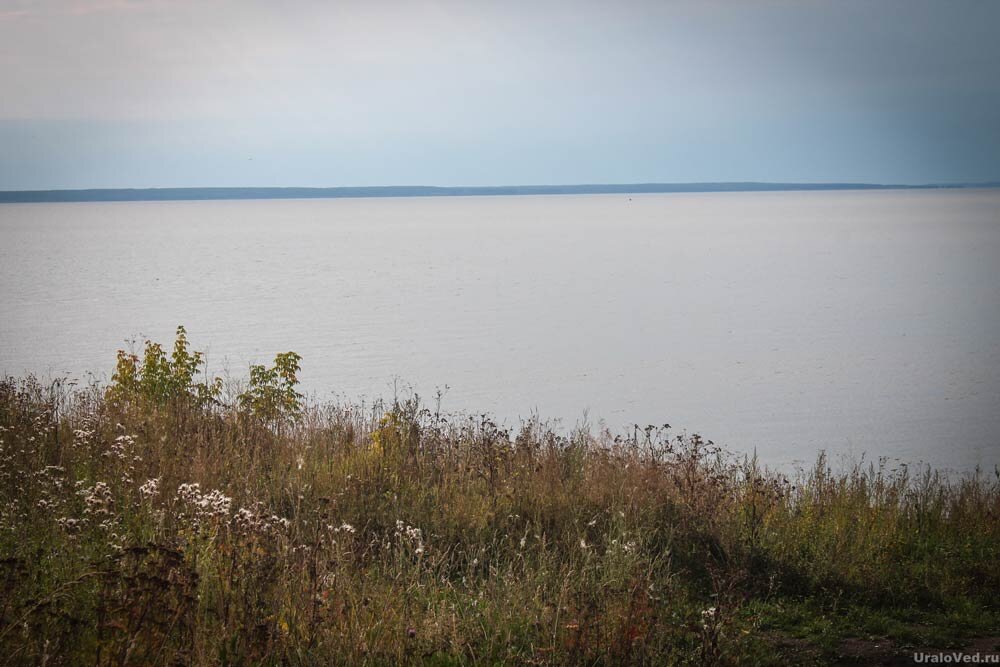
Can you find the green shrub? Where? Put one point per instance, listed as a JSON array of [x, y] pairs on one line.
[[271, 395], [159, 380]]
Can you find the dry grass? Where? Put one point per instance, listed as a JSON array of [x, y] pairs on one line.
[[133, 533]]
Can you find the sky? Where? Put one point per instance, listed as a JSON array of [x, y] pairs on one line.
[[186, 93]]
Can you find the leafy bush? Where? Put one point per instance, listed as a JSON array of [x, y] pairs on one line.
[[159, 379], [271, 395]]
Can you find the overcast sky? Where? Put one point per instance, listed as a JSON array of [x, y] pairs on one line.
[[157, 93]]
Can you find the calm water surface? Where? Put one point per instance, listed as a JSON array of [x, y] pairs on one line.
[[786, 322]]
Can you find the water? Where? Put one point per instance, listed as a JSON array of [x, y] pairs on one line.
[[786, 322]]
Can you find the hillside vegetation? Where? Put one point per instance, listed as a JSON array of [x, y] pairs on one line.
[[163, 520]]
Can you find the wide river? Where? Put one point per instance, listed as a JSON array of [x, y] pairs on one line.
[[856, 322]]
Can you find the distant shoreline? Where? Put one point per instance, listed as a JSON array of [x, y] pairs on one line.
[[202, 194]]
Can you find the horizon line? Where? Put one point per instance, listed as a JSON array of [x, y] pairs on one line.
[[201, 193]]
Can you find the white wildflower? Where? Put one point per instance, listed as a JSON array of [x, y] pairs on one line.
[[97, 499], [412, 535], [150, 489], [204, 505], [120, 447], [256, 521]]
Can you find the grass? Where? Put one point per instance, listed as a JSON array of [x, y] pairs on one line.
[[183, 531]]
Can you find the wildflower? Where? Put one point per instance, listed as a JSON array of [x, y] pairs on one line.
[[119, 448], [205, 506], [150, 488], [97, 499], [188, 491], [69, 525], [250, 521], [411, 534], [244, 518]]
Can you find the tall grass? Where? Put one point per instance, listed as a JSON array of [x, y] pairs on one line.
[[174, 533]]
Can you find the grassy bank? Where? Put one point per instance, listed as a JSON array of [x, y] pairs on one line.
[[160, 522]]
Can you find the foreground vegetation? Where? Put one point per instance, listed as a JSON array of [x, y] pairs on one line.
[[163, 520]]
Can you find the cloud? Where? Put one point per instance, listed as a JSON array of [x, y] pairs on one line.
[[83, 8], [764, 90], [76, 7]]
